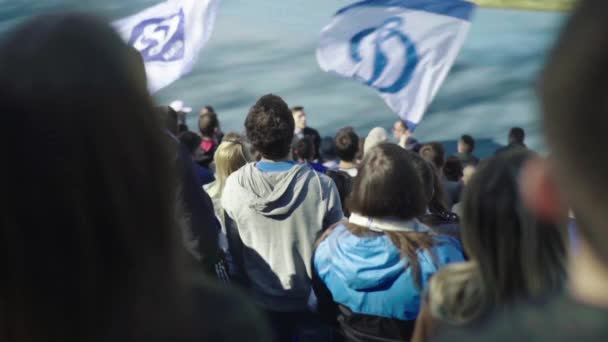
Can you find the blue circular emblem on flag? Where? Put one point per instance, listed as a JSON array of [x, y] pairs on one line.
[[389, 29], [160, 39]]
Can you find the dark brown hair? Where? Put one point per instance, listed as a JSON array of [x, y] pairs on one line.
[[469, 142], [435, 153], [191, 140], [82, 242], [452, 170], [168, 118], [270, 127], [575, 118], [388, 186], [304, 149], [208, 123], [518, 256], [347, 144]]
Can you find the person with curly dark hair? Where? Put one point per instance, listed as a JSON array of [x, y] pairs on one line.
[[275, 209], [347, 146]]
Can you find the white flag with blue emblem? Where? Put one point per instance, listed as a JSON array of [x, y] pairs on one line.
[[402, 48], [169, 37]]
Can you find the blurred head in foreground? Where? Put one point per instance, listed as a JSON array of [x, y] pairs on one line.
[[86, 225], [575, 118]]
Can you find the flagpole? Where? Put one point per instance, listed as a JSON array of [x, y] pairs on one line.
[[529, 5]]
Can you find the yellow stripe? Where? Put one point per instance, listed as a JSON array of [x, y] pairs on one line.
[[536, 5]]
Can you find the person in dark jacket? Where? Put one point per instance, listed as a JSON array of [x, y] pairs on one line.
[[302, 130], [370, 272], [192, 142], [517, 135], [466, 146], [200, 228]]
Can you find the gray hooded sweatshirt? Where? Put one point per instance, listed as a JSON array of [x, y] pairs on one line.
[[278, 216]]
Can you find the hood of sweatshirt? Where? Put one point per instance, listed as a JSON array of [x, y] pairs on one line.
[[366, 263], [276, 193]]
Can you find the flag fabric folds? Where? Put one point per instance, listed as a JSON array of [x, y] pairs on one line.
[[402, 48], [169, 37]]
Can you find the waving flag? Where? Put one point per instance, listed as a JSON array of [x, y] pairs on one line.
[[169, 37], [402, 48]]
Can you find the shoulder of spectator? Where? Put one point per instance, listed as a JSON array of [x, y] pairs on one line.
[[229, 315], [453, 294]]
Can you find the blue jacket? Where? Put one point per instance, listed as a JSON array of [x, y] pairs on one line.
[[369, 276]]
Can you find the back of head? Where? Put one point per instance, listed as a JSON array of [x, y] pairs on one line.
[[518, 256], [208, 124], [231, 155], [452, 169], [387, 185], [191, 140], [270, 127], [375, 137], [304, 149], [347, 144], [575, 118], [468, 142], [79, 269], [328, 149], [435, 153], [517, 135]]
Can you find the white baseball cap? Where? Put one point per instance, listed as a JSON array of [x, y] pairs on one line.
[[178, 106]]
